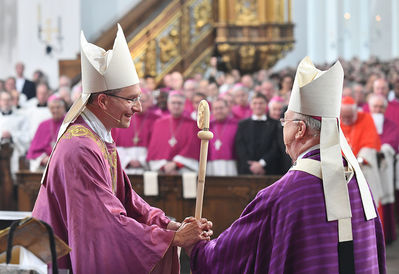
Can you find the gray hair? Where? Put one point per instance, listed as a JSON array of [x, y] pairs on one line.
[[313, 124], [373, 96]]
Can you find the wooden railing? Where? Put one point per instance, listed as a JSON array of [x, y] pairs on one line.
[[224, 200]]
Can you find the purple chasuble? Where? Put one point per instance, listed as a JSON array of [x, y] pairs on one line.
[[88, 200], [221, 147], [44, 139], [285, 230], [186, 144], [390, 134], [240, 112], [140, 130]]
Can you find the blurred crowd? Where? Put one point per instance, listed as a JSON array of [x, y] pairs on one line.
[[245, 113]]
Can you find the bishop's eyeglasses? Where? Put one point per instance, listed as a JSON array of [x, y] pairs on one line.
[[129, 100], [285, 121]]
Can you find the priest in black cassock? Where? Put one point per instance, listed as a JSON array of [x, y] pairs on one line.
[[259, 142]]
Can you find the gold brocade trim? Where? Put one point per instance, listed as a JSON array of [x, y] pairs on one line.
[[82, 131]]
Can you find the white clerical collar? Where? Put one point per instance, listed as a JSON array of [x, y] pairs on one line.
[[19, 84], [96, 125], [308, 150], [257, 118]]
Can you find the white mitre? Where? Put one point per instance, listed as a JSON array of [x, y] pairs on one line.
[[101, 71], [318, 93]]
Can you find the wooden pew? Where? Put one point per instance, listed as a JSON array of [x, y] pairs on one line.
[[6, 182], [224, 200]]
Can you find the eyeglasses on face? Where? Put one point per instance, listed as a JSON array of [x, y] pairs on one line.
[[285, 121], [129, 100]]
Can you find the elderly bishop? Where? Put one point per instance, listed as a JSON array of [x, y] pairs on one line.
[[320, 216]]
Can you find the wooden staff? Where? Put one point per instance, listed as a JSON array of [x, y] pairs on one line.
[[205, 135]]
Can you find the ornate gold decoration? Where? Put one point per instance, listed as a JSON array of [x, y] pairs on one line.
[[150, 58], [82, 131], [139, 65], [200, 64], [202, 15], [250, 35], [169, 46], [185, 28], [247, 57], [246, 12], [257, 35]]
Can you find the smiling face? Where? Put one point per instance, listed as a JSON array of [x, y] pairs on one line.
[[122, 109]]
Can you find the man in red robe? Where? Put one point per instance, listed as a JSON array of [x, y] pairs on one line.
[[361, 134], [174, 146], [86, 196], [358, 127]]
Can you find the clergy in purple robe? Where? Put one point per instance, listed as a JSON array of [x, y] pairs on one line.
[[85, 194], [241, 109], [389, 135], [174, 146], [46, 135], [287, 228], [380, 87], [132, 142], [221, 156]]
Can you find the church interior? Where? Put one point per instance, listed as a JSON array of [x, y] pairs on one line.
[[239, 56]]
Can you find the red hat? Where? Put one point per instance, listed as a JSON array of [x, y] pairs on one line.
[[347, 100]]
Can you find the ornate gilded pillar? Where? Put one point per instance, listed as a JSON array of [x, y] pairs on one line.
[[262, 12], [270, 11], [222, 12]]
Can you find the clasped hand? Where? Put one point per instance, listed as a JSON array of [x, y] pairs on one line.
[[191, 231]]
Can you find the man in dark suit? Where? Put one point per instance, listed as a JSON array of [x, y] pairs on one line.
[[23, 85], [259, 142]]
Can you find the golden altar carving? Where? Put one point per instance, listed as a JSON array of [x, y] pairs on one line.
[[253, 34]]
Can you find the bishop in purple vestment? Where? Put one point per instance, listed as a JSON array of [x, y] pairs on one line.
[[221, 158], [288, 227], [85, 194], [174, 146], [285, 230]]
